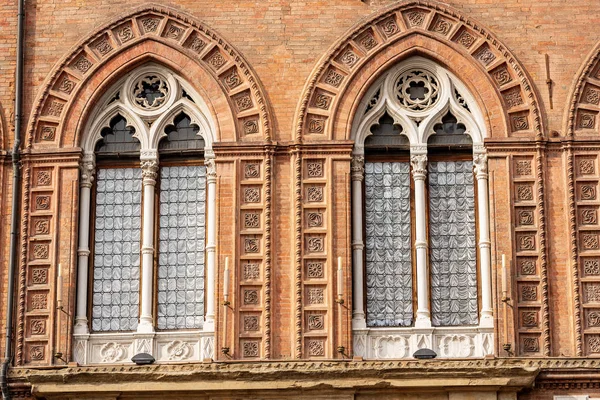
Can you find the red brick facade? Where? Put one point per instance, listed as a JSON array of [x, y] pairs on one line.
[[283, 81]]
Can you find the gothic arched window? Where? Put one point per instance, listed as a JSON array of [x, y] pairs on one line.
[[422, 269], [147, 238]]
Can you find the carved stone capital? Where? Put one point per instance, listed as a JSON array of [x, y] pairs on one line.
[[149, 172], [358, 168], [481, 166], [88, 169], [419, 165], [211, 168]]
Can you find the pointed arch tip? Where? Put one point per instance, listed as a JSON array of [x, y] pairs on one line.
[[581, 116], [177, 29], [350, 54]]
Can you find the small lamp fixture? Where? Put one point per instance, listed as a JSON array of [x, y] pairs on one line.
[[424, 354], [143, 359]]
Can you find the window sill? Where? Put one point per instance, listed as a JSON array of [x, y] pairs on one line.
[[118, 348], [447, 342]]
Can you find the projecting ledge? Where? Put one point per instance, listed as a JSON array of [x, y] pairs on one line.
[[278, 377]]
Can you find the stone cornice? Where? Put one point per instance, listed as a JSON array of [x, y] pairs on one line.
[[510, 373]]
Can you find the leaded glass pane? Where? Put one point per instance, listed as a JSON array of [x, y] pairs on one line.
[[388, 247], [452, 243], [181, 247], [115, 293]]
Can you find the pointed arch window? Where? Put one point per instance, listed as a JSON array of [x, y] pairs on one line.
[[147, 184], [421, 271]]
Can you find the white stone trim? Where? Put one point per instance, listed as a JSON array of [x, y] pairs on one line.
[[447, 342], [417, 133], [580, 397], [118, 348], [149, 136]]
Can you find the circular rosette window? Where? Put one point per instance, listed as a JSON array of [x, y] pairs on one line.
[[417, 90], [150, 91]]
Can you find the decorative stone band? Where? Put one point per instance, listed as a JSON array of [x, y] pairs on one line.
[[398, 343], [163, 346]]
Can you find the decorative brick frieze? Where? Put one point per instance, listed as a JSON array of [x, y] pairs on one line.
[[375, 35], [203, 45], [529, 297]]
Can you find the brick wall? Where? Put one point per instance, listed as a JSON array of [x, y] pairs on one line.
[[282, 42]]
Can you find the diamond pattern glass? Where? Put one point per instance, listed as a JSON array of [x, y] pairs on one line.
[[181, 247], [452, 243], [115, 293], [388, 244]]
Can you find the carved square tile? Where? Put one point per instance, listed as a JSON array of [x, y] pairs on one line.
[[523, 167], [527, 266], [251, 323], [524, 192], [588, 215], [315, 347], [315, 322], [251, 349], [251, 271], [315, 244], [592, 344], [587, 191], [314, 219], [315, 269], [315, 295], [251, 297], [530, 344], [251, 194], [592, 318], [314, 194], [526, 241], [591, 266], [251, 170]]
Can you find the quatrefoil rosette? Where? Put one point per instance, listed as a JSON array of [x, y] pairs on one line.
[[151, 92], [417, 90]]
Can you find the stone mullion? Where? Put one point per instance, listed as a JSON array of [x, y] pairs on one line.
[[88, 169], [316, 268], [587, 237], [251, 282], [528, 297]]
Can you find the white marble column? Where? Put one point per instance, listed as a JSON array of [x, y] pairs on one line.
[[211, 242], [419, 170], [149, 175], [358, 173], [484, 243], [88, 169]]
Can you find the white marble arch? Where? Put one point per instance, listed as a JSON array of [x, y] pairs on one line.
[[149, 125], [417, 125]]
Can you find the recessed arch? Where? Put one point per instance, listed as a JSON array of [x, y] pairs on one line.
[[163, 35], [583, 110], [491, 72]]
